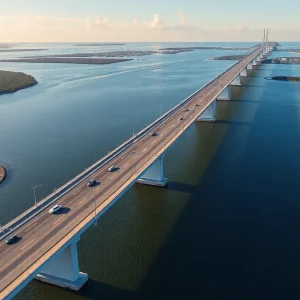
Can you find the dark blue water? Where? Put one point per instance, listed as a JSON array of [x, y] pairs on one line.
[[227, 226]]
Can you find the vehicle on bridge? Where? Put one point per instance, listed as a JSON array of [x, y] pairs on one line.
[[111, 169], [55, 209], [12, 239], [92, 182], [180, 119], [153, 134]]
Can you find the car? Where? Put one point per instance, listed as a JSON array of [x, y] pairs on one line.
[[186, 109], [12, 239], [180, 119], [54, 209], [111, 169], [197, 104], [92, 182], [153, 134]]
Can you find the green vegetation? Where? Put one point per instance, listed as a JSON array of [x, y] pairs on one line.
[[2, 174], [11, 82], [284, 78], [230, 57]]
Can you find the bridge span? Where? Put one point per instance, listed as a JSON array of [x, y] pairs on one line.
[[47, 249]]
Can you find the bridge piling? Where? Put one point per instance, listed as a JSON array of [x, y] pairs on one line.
[[209, 114], [63, 270], [236, 80], [154, 175], [244, 72], [225, 95]]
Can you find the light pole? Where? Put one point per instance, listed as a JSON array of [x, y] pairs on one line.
[[133, 127], [34, 193], [160, 109], [95, 208]]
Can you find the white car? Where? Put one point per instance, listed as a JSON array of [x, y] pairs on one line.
[[54, 209], [111, 169]]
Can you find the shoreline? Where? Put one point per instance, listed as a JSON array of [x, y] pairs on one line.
[[3, 174], [67, 60], [11, 82]]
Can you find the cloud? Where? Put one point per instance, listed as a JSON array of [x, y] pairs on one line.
[[157, 22], [181, 17], [96, 22], [243, 27]]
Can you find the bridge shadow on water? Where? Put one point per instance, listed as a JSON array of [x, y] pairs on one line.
[[239, 234]]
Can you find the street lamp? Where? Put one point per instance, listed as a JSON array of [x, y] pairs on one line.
[[133, 127], [34, 193], [95, 207]]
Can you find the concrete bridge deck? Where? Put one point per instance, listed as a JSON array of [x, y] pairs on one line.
[[44, 235]]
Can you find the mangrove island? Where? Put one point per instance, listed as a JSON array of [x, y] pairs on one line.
[[11, 82]]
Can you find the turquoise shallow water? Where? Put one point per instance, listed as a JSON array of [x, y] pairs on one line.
[[227, 226]]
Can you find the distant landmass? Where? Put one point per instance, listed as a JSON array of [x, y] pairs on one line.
[[20, 50], [11, 82], [284, 78], [229, 57], [99, 44], [207, 48], [67, 60], [282, 60]]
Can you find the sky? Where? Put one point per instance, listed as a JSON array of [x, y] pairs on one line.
[[148, 21]]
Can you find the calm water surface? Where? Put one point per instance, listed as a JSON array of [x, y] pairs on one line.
[[227, 226]]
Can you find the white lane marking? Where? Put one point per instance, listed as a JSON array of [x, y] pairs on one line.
[[97, 188], [126, 165], [58, 219], [165, 131], [82, 201], [30, 227], [173, 125], [76, 192], [113, 176], [27, 244], [144, 150], [153, 142]]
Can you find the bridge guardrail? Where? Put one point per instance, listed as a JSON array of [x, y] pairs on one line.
[[33, 211]]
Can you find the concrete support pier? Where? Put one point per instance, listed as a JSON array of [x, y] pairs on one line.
[[254, 62], [236, 80], [209, 114], [261, 56], [63, 269], [244, 72], [250, 66], [258, 59], [154, 175], [225, 95]]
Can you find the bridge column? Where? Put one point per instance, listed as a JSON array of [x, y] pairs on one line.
[[258, 59], [261, 55], [254, 62], [209, 114], [154, 175], [225, 95], [236, 80], [244, 72], [63, 269], [250, 66]]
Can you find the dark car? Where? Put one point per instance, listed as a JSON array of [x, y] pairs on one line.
[[92, 182], [153, 134], [12, 239]]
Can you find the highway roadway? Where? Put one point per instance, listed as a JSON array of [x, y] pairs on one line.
[[41, 233]]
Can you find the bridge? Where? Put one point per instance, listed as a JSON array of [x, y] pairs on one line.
[[47, 250]]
